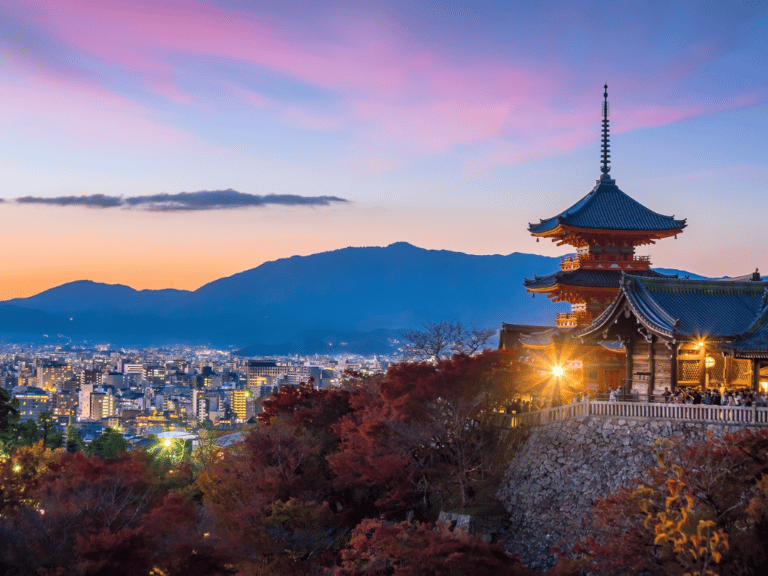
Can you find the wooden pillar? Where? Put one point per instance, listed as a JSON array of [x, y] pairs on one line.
[[628, 376], [673, 369], [755, 374], [703, 366], [651, 367]]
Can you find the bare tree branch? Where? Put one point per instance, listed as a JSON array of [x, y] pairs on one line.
[[444, 339]]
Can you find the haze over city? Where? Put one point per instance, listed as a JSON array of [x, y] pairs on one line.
[[318, 125]]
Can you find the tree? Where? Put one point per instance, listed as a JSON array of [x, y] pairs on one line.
[[417, 549], [432, 433], [110, 444], [94, 516], [74, 443], [700, 510], [20, 475], [440, 340], [9, 417], [47, 428], [29, 434]]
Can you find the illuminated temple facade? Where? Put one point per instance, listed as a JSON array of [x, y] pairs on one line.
[[631, 327]]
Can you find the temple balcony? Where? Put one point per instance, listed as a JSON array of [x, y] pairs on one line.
[[605, 262], [573, 319]]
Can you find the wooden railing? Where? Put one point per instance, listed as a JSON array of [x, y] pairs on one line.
[[732, 415], [573, 319], [605, 262]]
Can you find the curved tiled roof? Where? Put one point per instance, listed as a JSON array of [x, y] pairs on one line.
[[608, 208], [586, 278], [688, 307], [754, 341]]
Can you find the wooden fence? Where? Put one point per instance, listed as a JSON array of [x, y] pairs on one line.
[[731, 415]]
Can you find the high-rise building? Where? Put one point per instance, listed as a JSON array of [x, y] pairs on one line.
[[242, 405], [84, 401], [51, 374], [32, 401], [93, 377], [102, 405]]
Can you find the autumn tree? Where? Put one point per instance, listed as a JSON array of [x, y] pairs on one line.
[[416, 549], [271, 496], [424, 436], [89, 516], [700, 510], [21, 474], [432, 434]]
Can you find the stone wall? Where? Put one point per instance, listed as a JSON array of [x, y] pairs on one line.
[[562, 468]]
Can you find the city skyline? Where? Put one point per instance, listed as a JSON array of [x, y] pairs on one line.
[[313, 126]]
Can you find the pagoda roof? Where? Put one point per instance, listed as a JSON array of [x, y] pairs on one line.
[[679, 308], [585, 278], [606, 207]]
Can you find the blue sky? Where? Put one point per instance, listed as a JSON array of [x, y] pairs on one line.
[[445, 124]]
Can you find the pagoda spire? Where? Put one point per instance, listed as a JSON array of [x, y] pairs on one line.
[[605, 168]]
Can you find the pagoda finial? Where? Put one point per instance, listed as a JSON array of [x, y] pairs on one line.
[[605, 168]]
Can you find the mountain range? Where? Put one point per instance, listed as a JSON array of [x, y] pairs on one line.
[[353, 299]]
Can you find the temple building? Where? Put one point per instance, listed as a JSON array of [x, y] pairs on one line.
[[688, 333], [631, 327], [605, 227]]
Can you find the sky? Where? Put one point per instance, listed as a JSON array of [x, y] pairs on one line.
[[168, 144]]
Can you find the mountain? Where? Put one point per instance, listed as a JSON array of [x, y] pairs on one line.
[[360, 297]]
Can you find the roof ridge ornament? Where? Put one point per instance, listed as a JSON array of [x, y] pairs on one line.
[[606, 145]]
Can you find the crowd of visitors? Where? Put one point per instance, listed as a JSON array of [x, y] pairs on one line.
[[716, 397]]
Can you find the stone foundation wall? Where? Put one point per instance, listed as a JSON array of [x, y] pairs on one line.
[[564, 467]]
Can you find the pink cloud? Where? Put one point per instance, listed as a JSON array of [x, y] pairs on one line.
[[385, 82], [84, 113], [307, 119], [171, 91], [436, 125]]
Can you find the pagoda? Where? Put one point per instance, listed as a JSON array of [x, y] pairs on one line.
[[605, 227]]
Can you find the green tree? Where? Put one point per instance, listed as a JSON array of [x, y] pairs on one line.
[[109, 445], [47, 426], [74, 443], [9, 419], [29, 434]]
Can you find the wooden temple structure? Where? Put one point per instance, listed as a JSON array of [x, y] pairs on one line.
[[688, 333], [632, 327], [605, 227]]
